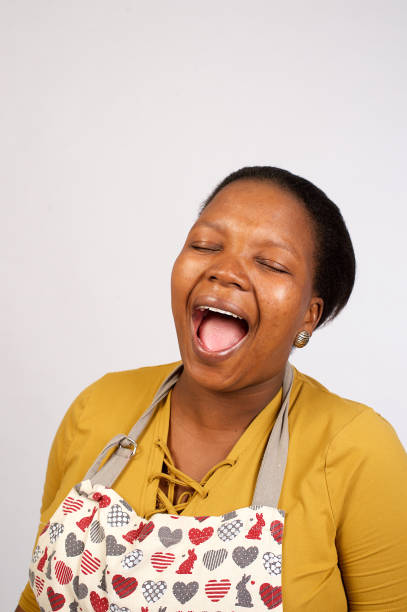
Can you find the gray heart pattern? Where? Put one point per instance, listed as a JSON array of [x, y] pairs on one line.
[[113, 548], [73, 546], [213, 558], [132, 559], [118, 554], [80, 589], [229, 515], [116, 517], [55, 530], [115, 608], [36, 554], [153, 591], [229, 530], [244, 556], [97, 533], [183, 591], [272, 563], [130, 509], [169, 538]]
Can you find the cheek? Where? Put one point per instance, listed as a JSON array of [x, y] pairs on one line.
[[284, 306], [176, 282], [182, 280], [281, 293]]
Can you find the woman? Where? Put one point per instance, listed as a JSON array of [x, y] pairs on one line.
[[238, 445]]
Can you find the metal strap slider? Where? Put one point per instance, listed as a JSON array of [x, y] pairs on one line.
[[132, 443]]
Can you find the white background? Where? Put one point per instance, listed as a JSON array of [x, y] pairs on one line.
[[118, 118]]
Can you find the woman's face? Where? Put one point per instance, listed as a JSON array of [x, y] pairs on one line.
[[250, 254]]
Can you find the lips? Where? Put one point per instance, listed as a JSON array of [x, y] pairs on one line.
[[220, 304], [219, 327]]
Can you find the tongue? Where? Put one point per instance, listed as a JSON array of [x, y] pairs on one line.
[[219, 332]]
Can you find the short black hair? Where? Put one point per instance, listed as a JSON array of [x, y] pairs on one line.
[[335, 266]]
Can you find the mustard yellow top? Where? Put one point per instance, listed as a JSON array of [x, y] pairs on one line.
[[344, 491]]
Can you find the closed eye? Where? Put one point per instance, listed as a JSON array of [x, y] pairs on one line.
[[203, 248], [272, 265]]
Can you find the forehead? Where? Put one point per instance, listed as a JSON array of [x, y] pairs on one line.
[[260, 209]]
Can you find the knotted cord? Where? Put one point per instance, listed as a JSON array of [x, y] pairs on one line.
[[174, 477]]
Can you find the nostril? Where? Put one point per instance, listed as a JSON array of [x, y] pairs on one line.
[[232, 275], [214, 278]]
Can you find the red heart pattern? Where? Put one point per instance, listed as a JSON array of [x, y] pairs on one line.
[[276, 529], [147, 529], [103, 500], [73, 552], [160, 561], [63, 573], [89, 563], [99, 604], [197, 536], [39, 584], [215, 590], [271, 596], [70, 504], [56, 600], [124, 586]]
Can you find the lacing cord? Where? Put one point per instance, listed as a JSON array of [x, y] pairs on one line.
[[174, 477]]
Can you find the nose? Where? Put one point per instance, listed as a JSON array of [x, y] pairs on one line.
[[229, 272]]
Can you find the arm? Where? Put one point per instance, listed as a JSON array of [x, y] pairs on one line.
[[366, 474]]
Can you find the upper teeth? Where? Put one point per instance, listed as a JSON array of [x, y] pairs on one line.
[[225, 312]]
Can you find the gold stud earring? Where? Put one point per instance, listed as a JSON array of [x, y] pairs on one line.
[[302, 338]]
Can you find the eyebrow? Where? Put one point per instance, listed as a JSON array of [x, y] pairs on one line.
[[273, 243], [212, 224]]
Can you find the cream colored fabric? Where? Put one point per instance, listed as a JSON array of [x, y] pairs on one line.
[[98, 554]]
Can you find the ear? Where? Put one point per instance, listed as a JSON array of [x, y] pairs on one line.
[[313, 314]]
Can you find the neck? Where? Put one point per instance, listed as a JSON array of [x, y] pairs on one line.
[[214, 411]]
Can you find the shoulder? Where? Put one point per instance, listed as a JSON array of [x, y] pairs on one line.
[[330, 412], [307, 390], [339, 430], [141, 383], [110, 405], [350, 443], [121, 397], [343, 428]]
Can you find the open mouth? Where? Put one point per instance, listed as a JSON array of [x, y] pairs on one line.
[[218, 330]]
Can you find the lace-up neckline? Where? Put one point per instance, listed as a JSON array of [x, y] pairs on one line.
[[174, 477]]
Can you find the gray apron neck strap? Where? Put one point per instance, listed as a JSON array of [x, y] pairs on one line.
[[126, 445], [271, 473]]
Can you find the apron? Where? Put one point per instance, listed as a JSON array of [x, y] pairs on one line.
[[97, 555]]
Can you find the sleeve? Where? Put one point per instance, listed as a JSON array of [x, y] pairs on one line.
[[366, 472], [54, 475]]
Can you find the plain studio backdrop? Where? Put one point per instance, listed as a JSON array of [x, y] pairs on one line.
[[118, 118]]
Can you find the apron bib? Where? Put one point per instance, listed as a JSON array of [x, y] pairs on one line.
[[97, 555]]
